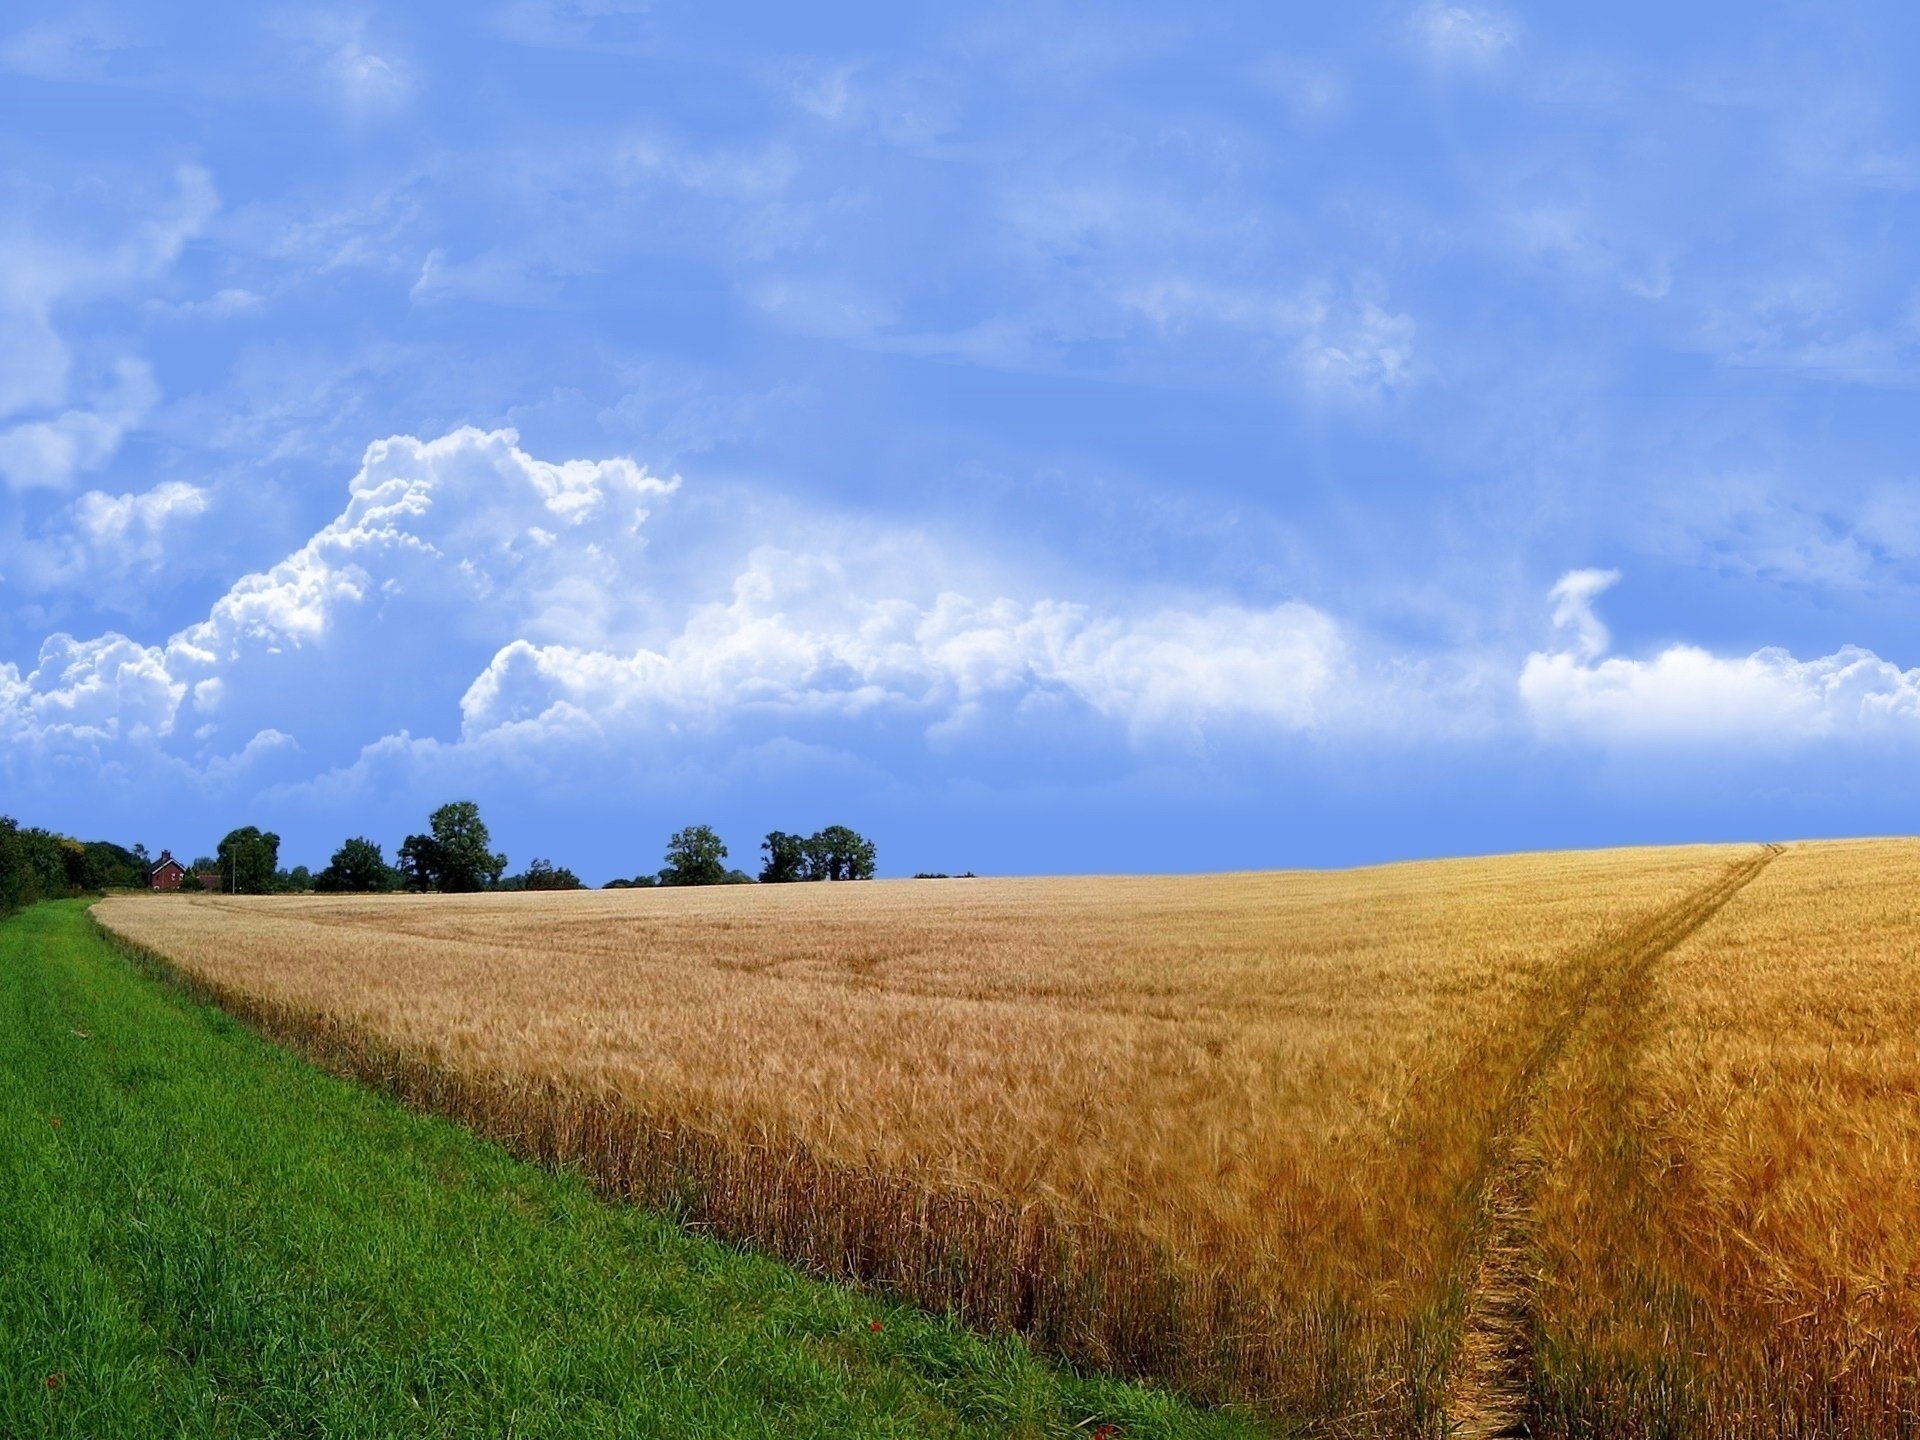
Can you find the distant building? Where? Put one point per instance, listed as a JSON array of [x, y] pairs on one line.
[[167, 873]]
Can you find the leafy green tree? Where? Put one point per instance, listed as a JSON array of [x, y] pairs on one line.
[[419, 859], [38, 864], [545, 875], [247, 859], [786, 858], [463, 849], [843, 854], [695, 856], [835, 853], [456, 857], [17, 886], [357, 867]]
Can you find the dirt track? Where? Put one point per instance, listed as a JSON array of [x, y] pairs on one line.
[[1488, 1387]]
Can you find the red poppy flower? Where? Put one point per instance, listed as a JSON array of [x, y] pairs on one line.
[[875, 1326], [1108, 1431], [56, 1379]]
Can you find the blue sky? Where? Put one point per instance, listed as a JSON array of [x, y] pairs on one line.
[[1046, 438]]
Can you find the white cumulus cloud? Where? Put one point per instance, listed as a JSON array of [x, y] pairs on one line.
[[797, 639], [443, 547], [470, 591], [1690, 696]]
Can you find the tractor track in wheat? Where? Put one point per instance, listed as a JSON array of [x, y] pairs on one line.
[[1488, 1385]]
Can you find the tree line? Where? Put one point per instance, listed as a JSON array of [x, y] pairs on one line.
[[453, 855], [38, 864]]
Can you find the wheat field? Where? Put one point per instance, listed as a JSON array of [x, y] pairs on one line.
[[1613, 1142]]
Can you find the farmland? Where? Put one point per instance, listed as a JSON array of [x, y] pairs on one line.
[[1612, 1142], [204, 1236]]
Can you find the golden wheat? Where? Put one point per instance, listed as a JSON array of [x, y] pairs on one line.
[[1729, 1229], [1244, 1133]]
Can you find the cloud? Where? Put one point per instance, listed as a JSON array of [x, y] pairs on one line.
[[49, 453], [87, 691], [110, 546], [797, 639], [466, 578], [362, 80], [51, 439], [221, 305], [1573, 596], [907, 106], [1464, 35], [1687, 696], [612, 26], [134, 527], [443, 547], [71, 48], [1336, 341], [1312, 90]]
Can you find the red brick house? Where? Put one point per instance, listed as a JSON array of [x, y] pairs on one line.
[[167, 873]]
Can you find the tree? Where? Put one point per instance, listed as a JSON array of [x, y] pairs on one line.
[[456, 857], [844, 854], [786, 858], [38, 864], [357, 867], [247, 859], [109, 865], [464, 855], [694, 857], [835, 853], [419, 861], [545, 875]]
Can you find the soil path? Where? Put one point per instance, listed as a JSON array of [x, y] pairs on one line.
[[1487, 1388]]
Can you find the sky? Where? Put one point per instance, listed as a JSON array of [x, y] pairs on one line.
[[1046, 438]]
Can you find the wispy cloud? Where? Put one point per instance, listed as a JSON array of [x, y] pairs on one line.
[[1465, 35], [51, 452]]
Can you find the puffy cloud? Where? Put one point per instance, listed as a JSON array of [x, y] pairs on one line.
[[466, 577], [89, 691], [134, 527], [1686, 695], [443, 548], [794, 641], [110, 545]]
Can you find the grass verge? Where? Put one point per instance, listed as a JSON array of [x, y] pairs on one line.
[[206, 1236]]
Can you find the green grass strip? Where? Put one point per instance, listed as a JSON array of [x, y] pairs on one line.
[[201, 1235]]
